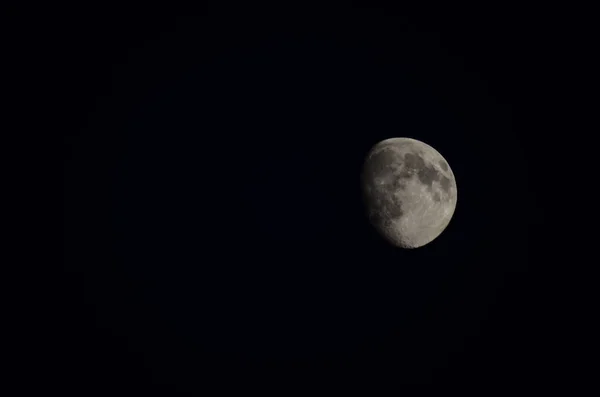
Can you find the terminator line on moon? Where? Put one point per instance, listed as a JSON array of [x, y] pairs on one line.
[[409, 191]]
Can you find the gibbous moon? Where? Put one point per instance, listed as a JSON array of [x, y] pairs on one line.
[[409, 191]]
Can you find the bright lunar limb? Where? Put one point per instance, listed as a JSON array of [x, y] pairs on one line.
[[409, 191]]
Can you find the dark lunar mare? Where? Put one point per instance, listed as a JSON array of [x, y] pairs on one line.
[[414, 163], [427, 174]]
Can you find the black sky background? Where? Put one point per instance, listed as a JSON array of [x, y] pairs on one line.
[[214, 234]]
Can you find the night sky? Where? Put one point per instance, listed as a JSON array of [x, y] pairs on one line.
[[213, 224]]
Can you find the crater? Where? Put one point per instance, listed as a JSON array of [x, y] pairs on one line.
[[445, 182], [399, 185], [385, 206], [390, 205]]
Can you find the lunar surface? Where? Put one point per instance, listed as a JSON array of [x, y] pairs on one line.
[[409, 191]]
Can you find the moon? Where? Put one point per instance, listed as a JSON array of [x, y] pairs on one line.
[[409, 191]]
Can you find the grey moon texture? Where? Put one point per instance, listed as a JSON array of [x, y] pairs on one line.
[[409, 191]]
